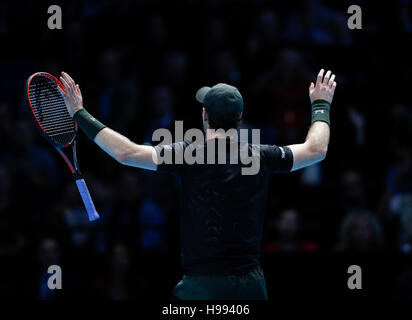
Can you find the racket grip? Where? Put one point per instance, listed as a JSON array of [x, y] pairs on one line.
[[87, 200]]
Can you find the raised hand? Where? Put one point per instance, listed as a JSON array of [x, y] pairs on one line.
[[72, 94], [324, 88]]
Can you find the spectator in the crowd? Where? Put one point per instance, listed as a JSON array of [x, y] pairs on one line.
[[35, 161], [154, 214], [74, 41], [48, 255], [402, 286], [405, 14], [400, 124], [174, 71], [223, 67], [263, 40], [157, 33], [11, 237], [36, 284], [214, 36], [353, 193], [396, 203], [314, 22], [75, 218], [360, 232], [286, 232], [124, 221], [358, 121], [119, 282], [117, 86], [162, 109], [281, 93]]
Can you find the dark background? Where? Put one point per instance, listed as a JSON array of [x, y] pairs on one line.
[[139, 64]]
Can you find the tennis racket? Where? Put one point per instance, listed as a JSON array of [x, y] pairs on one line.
[[52, 118]]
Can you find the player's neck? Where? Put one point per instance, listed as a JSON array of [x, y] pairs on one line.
[[214, 134]]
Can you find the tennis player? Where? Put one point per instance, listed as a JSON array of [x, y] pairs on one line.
[[222, 210]]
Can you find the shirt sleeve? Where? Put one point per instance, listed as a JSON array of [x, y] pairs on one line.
[[277, 159], [170, 157]]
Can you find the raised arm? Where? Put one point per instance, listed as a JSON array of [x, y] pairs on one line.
[[315, 147], [113, 143]]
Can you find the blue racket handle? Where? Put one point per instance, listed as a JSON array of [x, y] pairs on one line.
[[87, 200]]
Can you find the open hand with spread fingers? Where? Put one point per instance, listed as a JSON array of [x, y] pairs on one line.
[[324, 88], [72, 94]]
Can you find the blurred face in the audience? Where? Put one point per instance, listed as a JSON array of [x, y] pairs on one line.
[[161, 100], [361, 234], [130, 189], [353, 188], [157, 31], [288, 224], [120, 258], [49, 252], [109, 66]]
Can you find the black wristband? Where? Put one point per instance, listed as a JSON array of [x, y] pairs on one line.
[[321, 111], [90, 125]]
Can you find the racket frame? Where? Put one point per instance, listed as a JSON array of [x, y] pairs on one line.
[[45, 74], [73, 166]]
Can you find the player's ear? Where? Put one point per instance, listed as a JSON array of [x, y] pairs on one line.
[[204, 114]]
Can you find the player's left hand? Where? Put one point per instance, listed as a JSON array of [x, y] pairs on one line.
[[324, 88], [72, 94]]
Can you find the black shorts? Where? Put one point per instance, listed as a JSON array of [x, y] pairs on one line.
[[250, 285]]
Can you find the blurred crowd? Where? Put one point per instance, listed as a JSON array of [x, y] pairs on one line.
[[139, 64]]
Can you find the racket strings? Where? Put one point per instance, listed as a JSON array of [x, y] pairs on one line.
[[50, 110]]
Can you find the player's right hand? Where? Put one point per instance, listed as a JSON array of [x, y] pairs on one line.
[[324, 88], [72, 94]]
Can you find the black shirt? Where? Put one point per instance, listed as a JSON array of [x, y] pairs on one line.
[[222, 210]]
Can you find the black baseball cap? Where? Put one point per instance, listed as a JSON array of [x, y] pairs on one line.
[[220, 100]]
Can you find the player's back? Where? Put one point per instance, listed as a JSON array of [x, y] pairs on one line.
[[222, 206]]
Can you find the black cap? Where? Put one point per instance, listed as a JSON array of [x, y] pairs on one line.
[[220, 100]]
